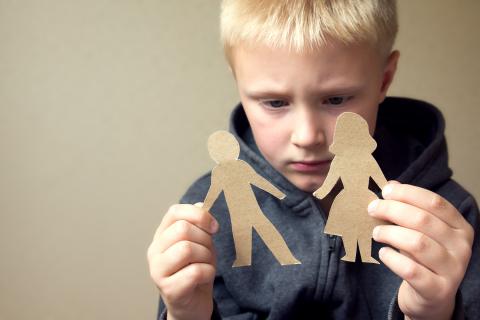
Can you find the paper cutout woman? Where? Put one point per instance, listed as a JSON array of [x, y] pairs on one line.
[[354, 165], [234, 177]]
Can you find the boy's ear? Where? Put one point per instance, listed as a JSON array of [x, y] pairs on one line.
[[389, 73], [232, 72]]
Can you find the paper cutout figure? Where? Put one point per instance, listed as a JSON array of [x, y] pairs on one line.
[[234, 177], [354, 165]]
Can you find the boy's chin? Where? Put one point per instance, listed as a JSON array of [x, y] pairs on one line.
[[309, 185]]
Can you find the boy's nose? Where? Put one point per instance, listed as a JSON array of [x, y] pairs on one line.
[[307, 131]]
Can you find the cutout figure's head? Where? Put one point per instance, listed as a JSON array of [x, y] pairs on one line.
[[223, 146], [352, 136]]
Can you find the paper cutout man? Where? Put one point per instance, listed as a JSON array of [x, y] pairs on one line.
[[234, 177], [354, 165]]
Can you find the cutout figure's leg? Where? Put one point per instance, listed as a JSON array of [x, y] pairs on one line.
[[242, 237], [350, 246], [365, 247], [274, 241]]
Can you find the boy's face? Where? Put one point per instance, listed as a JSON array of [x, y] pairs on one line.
[[292, 101]]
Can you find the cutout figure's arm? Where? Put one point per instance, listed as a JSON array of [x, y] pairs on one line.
[[213, 192], [377, 174], [330, 181], [264, 184]]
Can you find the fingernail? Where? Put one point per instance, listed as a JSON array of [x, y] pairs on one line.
[[372, 206], [381, 253], [375, 233], [387, 190], [214, 226]]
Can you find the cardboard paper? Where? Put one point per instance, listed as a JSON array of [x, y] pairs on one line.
[[234, 177], [354, 165]]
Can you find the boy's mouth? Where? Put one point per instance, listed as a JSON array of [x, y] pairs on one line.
[[310, 166]]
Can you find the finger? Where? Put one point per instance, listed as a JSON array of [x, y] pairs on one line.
[[423, 281], [393, 182], [182, 283], [161, 266], [426, 200], [180, 255], [411, 217], [190, 213], [417, 246], [182, 230]]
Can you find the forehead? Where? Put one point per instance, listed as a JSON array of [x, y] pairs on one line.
[[330, 66]]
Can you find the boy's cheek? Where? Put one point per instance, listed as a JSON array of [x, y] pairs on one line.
[[270, 142]]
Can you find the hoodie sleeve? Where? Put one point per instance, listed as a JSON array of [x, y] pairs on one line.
[[162, 311]]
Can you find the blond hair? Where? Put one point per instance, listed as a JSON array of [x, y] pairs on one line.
[[303, 25]]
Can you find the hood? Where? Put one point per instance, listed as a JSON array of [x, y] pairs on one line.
[[412, 147]]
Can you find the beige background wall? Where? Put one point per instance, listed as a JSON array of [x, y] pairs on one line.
[[105, 108]]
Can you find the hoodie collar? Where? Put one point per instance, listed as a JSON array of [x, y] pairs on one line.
[[412, 147]]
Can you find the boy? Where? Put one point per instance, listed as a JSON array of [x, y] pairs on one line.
[[298, 65]]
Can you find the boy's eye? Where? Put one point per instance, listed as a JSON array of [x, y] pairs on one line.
[[275, 103], [336, 100]]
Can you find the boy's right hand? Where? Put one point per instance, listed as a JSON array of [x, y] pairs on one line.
[[182, 261]]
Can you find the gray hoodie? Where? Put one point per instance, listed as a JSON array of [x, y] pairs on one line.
[[411, 149]]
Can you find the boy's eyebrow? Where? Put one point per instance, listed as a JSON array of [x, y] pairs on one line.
[[264, 93], [343, 89]]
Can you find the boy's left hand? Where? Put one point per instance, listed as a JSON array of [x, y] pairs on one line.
[[435, 245]]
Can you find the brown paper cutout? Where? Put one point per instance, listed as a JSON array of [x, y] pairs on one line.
[[234, 177], [354, 165]]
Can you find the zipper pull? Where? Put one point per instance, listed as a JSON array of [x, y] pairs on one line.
[[331, 243]]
